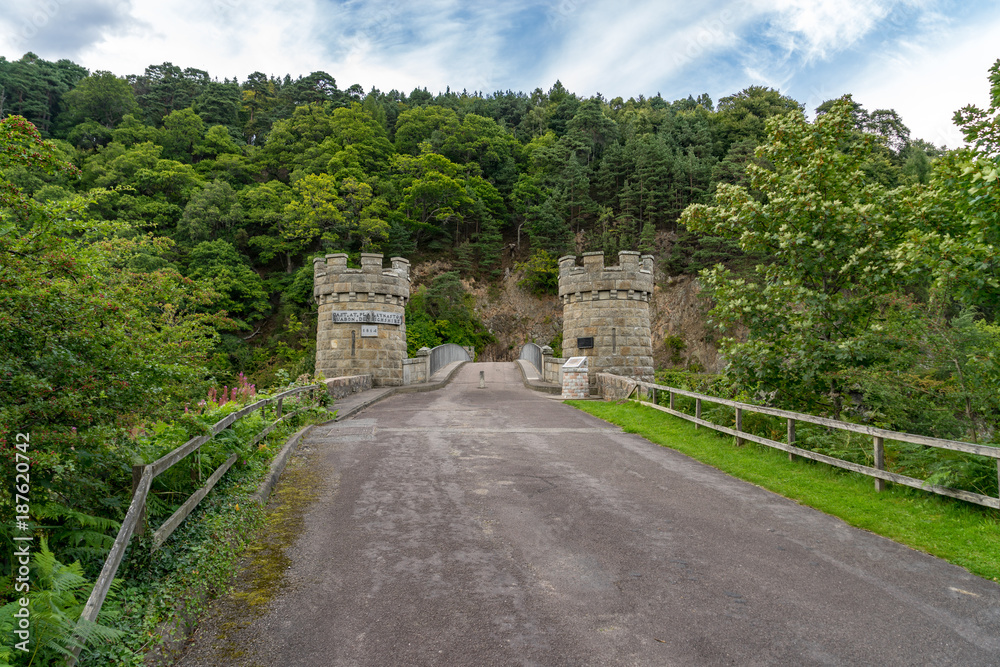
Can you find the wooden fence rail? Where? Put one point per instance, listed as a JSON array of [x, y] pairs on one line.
[[142, 482], [650, 390]]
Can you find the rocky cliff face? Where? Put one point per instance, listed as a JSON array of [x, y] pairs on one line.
[[681, 338], [515, 317]]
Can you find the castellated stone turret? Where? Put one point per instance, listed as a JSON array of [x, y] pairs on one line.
[[606, 313], [362, 327]]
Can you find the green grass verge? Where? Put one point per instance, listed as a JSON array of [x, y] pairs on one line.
[[962, 533]]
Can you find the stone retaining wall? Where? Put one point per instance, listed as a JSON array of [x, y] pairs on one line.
[[614, 387], [347, 385]]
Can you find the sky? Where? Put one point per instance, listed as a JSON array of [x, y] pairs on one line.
[[923, 58]]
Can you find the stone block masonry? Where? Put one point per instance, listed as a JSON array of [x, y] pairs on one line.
[[371, 297], [575, 384], [606, 313]]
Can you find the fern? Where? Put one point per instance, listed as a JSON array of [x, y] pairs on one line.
[[79, 536], [56, 602]]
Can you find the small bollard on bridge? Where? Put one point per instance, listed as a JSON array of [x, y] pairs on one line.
[[482, 379]]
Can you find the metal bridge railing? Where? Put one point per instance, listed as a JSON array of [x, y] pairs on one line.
[[533, 353], [442, 355]]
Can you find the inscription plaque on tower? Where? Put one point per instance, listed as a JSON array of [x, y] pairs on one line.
[[367, 317]]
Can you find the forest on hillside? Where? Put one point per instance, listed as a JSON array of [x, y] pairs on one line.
[[157, 232]]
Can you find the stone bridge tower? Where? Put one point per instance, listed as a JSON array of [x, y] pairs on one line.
[[606, 313], [361, 327]]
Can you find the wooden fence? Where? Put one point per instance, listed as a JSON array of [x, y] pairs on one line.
[[647, 392], [142, 479]]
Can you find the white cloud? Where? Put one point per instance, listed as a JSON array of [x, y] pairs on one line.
[[445, 45], [59, 28], [813, 29], [225, 37], [632, 49], [927, 81]]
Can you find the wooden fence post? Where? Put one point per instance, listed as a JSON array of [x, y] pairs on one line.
[[671, 400], [791, 437], [739, 426], [140, 526], [697, 411], [879, 462], [279, 407], [652, 396]]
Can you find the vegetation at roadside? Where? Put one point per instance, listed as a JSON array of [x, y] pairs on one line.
[[964, 534], [155, 591]]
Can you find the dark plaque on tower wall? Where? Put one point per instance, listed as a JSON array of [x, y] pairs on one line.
[[585, 343]]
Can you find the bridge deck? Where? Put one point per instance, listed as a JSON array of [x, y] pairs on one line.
[[494, 526]]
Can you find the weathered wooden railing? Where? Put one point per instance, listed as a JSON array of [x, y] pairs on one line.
[[142, 479], [647, 395]]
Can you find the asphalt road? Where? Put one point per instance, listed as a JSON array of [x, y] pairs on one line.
[[496, 526]]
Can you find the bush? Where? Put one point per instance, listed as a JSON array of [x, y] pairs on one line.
[[541, 274]]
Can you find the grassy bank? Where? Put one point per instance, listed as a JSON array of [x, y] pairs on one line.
[[964, 534]]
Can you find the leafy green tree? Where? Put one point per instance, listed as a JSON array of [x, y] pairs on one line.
[[743, 115], [89, 135], [593, 127], [316, 87], [103, 97], [956, 221], [261, 107], [131, 131], [182, 130], [240, 291], [213, 212], [164, 88], [36, 88], [419, 124], [90, 346], [319, 138], [220, 104], [315, 215], [434, 196], [482, 141], [442, 313], [830, 235], [548, 229], [541, 273], [217, 141], [142, 168], [364, 214]]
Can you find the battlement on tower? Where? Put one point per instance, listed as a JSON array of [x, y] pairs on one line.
[[334, 282], [631, 279]]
